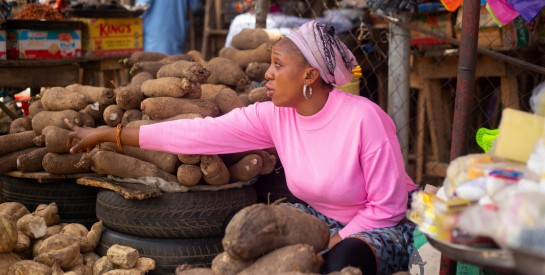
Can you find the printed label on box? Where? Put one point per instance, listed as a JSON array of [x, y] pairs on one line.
[[113, 36], [3, 46], [43, 44]]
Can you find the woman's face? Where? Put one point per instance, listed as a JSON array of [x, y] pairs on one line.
[[286, 74]]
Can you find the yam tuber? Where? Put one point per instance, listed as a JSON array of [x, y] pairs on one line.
[[32, 161], [189, 159], [227, 265], [168, 86], [53, 229], [56, 139], [130, 96], [6, 260], [32, 225], [63, 163], [214, 170], [256, 71], [35, 107], [46, 118], [176, 57], [195, 271], [197, 57], [131, 271], [166, 107], [103, 265], [248, 39], [50, 213], [209, 91], [131, 115], [142, 56], [193, 71], [298, 257], [13, 210], [151, 67], [16, 142], [258, 95], [91, 240], [59, 99], [102, 95], [246, 169], [189, 174], [145, 264], [61, 249], [123, 256], [165, 161], [228, 100], [261, 54], [113, 115], [244, 98], [225, 71], [23, 243], [95, 111], [29, 267], [258, 229], [21, 124], [8, 162], [8, 238]]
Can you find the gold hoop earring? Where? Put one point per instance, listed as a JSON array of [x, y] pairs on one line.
[[307, 88]]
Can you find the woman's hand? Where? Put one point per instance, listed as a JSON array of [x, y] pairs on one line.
[[86, 138], [334, 240]]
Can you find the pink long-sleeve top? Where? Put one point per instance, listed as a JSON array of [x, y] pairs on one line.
[[344, 161]]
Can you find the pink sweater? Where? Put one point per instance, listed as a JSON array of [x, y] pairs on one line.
[[344, 161]]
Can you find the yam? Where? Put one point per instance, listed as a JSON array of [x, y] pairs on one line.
[[177, 57], [80, 269], [52, 230], [298, 257], [16, 142], [138, 123], [96, 111], [123, 256], [195, 271], [13, 210], [46, 118], [246, 169], [29, 267], [163, 160], [142, 56], [258, 95], [91, 240], [113, 115], [32, 225], [214, 170], [189, 174], [189, 158], [31, 161], [50, 213], [195, 93], [8, 238], [197, 57], [209, 91], [244, 98], [39, 141], [269, 162], [145, 264], [166, 107], [8, 162], [35, 107], [151, 67], [111, 163], [168, 86], [131, 96], [103, 265], [131, 271], [248, 39], [225, 71], [227, 265], [261, 54], [59, 99], [63, 163], [228, 100], [23, 243], [56, 139], [21, 124], [256, 71], [131, 115], [139, 79], [193, 71], [102, 95], [61, 249], [258, 229], [6, 260], [90, 258]]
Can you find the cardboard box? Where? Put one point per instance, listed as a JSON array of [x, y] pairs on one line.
[[435, 22], [517, 34], [43, 44], [112, 36], [3, 45]]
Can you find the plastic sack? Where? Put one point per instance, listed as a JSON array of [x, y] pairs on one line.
[[537, 100]]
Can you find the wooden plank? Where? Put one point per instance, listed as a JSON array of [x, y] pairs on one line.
[[44, 177], [509, 92], [38, 76], [137, 191], [447, 67], [420, 135]]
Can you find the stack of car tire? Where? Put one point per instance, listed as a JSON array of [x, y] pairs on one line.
[[173, 229]]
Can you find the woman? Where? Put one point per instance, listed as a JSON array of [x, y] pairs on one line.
[[339, 151]]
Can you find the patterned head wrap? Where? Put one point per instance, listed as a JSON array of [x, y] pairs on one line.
[[325, 52]]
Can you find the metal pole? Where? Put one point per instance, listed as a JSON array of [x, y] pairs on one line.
[[466, 78], [261, 11], [398, 81]]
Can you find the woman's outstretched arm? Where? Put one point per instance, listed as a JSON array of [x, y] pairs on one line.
[[81, 138]]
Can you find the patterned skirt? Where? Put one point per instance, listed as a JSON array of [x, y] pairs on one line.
[[392, 246]]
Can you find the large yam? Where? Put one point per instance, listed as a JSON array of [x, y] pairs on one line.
[[294, 258], [168, 86], [193, 71], [46, 118], [228, 100], [56, 139], [32, 225], [35, 107], [32, 161], [8, 238], [197, 57], [6, 260], [256, 71], [130, 116], [13, 210], [63, 163], [209, 91], [151, 67], [131, 96], [8, 162], [123, 256], [113, 115], [111, 163], [165, 161], [59, 98], [227, 265], [258, 95], [95, 111], [166, 107], [142, 56], [246, 169], [214, 170], [21, 124], [225, 71], [260, 54], [102, 95], [16, 142], [189, 174], [61, 249], [258, 229], [29, 267], [248, 39]]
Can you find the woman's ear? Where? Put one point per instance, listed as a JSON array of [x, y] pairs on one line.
[[312, 75]]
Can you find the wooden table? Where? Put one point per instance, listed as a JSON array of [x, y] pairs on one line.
[[38, 73]]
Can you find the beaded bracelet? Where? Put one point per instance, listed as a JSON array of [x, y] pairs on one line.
[[118, 136]]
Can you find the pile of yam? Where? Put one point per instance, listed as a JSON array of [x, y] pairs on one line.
[[161, 88], [36, 243], [270, 239]]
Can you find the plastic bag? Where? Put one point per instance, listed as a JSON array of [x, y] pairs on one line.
[[537, 100]]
